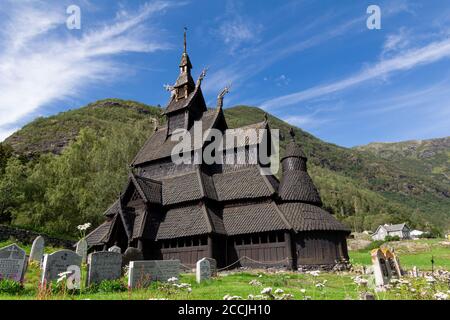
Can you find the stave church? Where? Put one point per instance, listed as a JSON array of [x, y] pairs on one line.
[[227, 211]]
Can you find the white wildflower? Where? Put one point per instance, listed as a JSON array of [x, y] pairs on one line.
[[360, 281], [320, 285], [226, 297], [255, 283], [286, 296], [441, 296], [279, 291], [266, 290], [173, 279], [302, 290], [84, 227], [314, 273]]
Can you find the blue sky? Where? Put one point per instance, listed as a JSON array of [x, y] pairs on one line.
[[314, 64]]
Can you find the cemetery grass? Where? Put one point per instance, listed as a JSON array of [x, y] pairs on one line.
[[336, 286], [412, 253]]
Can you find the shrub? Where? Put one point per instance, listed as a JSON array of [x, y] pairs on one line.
[[10, 287], [374, 245], [107, 286], [112, 286], [391, 238]]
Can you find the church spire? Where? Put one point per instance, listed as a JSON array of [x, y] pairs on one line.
[[185, 84], [185, 42]]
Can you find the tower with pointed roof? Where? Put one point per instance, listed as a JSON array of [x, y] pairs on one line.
[[227, 211], [187, 103]]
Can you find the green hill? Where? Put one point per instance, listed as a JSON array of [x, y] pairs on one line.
[[74, 164]]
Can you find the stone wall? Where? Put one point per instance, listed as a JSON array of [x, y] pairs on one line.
[[27, 237]]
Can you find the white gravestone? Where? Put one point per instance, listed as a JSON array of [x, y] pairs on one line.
[[82, 249], [103, 266], [58, 262], [12, 263], [381, 268], [37, 249], [73, 281], [116, 249], [142, 273], [203, 270]]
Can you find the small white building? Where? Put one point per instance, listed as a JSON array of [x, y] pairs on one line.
[[400, 230], [415, 234]]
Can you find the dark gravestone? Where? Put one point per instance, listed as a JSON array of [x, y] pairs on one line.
[[58, 262], [103, 266], [132, 254], [142, 273], [12, 263]]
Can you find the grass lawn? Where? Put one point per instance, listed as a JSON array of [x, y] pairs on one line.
[[337, 286], [413, 253]]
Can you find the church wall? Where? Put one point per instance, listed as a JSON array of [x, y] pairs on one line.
[[188, 250], [269, 249], [320, 247], [164, 168]]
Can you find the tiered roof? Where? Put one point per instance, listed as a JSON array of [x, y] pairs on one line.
[[236, 200]]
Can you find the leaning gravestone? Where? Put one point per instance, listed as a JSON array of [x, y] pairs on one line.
[[381, 268], [82, 249], [37, 249], [12, 263], [132, 254], [58, 262], [103, 266], [142, 273], [203, 270]]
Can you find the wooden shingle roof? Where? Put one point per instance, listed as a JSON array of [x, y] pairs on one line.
[[247, 183], [298, 186], [253, 218], [100, 235], [181, 188], [160, 146], [184, 222], [149, 189], [307, 217]]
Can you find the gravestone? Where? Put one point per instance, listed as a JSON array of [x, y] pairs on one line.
[[142, 273], [415, 272], [213, 266], [37, 249], [115, 248], [58, 262], [381, 268], [82, 249], [73, 281], [203, 270], [132, 254], [103, 266], [12, 263]]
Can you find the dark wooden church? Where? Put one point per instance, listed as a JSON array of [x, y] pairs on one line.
[[229, 212]]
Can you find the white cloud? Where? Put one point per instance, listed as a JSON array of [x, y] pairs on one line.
[[42, 62], [406, 60], [235, 30], [395, 42], [5, 133]]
